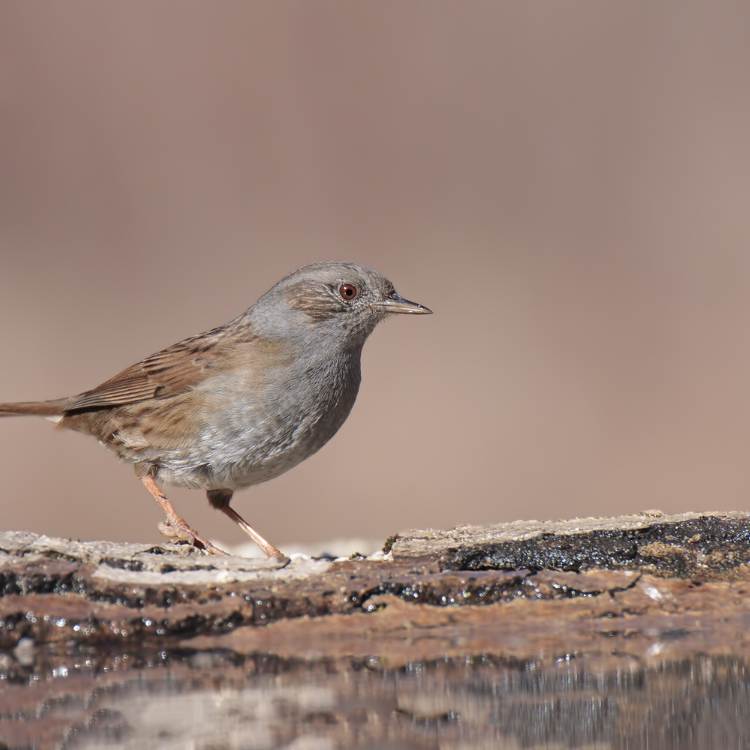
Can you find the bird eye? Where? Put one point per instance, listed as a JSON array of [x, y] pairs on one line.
[[348, 292]]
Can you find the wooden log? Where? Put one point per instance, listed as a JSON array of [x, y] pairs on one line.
[[520, 607]]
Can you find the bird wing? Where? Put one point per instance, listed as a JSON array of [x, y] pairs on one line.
[[167, 373]]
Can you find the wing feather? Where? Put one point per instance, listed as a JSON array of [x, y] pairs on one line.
[[167, 373]]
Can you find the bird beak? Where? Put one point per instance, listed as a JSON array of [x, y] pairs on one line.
[[397, 304]]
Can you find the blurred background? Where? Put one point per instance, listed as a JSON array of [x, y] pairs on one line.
[[566, 184]]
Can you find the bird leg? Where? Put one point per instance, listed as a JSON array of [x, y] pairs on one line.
[[175, 527], [220, 500]]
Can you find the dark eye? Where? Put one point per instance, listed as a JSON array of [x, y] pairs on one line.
[[348, 291]]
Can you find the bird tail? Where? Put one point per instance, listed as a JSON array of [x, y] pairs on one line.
[[34, 408]]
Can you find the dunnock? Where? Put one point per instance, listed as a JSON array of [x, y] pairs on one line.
[[241, 403]]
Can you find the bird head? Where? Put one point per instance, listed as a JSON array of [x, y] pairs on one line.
[[331, 302]]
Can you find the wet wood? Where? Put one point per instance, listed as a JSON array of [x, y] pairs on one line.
[[62, 591], [517, 605]]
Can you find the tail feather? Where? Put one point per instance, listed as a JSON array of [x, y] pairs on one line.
[[34, 408]]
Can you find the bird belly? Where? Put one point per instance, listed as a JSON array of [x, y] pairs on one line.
[[229, 458], [251, 443]]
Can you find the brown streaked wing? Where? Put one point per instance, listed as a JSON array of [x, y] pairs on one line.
[[172, 371]]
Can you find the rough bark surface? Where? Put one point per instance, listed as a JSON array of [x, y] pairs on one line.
[[540, 614]]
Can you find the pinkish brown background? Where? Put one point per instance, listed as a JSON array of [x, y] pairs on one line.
[[566, 183]]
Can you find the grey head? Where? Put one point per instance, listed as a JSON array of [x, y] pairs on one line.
[[330, 304]]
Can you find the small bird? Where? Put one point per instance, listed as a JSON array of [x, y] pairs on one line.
[[244, 402]]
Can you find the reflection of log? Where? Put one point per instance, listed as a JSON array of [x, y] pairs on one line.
[[222, 701], [540, 614]]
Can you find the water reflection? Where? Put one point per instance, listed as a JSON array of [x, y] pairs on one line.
[[223, 701]]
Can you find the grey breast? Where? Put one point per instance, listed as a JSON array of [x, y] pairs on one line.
[[261, 431]]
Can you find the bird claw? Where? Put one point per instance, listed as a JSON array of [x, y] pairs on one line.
[[181, 533], [175, 533]]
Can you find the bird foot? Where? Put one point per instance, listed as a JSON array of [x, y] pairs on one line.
[[180, 532]]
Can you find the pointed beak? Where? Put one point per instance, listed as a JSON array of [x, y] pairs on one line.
[[397, 304]]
